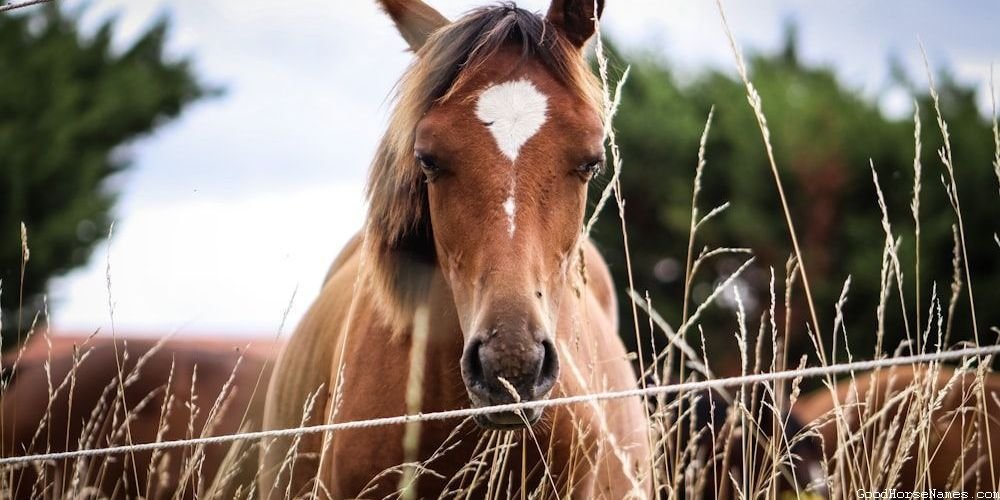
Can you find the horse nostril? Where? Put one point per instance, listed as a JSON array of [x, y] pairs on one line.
[[472, 364], [550, 369]]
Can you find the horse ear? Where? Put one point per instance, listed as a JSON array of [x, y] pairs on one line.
[[576, 18], [414, 19]]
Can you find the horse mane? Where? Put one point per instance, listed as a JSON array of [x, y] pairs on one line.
[[400, 259]]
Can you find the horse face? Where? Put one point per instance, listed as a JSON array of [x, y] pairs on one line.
[[506, 153], [507, 160]]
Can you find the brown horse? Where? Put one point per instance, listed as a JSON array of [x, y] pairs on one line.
[[473, 264], [66, 395], [910, 428]]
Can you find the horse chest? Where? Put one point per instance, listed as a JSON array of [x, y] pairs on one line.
[[459, 463], [458, 456]]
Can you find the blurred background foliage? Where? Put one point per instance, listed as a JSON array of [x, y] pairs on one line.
[[824, 135], [69, 105]]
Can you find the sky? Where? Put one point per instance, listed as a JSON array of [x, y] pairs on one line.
[[231, 214]]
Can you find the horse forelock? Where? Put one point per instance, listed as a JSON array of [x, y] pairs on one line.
[[399, 236]]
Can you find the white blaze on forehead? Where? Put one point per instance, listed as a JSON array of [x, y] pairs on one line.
[[510, 208], [514, 112]]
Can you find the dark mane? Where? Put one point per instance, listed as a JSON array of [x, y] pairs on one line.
[[458, 50], [398, 233]]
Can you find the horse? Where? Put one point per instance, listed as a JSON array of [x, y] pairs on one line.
[[64, 394], [912, 428], [473, 278]]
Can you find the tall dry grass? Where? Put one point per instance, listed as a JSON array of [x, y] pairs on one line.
[[893, 428]]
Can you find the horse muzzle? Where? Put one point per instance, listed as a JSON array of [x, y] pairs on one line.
[[500, 369]]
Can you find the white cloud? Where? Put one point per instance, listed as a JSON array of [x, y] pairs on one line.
[[212, 265]]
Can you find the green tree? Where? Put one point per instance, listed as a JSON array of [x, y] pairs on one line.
[[824, 134], [68, 106]]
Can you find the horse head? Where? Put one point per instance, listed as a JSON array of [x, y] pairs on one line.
[[482, 181]]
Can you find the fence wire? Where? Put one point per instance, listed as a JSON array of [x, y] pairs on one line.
[[811, 372]]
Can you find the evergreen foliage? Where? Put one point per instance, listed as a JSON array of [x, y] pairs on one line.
[[69, 106], [824, 134]]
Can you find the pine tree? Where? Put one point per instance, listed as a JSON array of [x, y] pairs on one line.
[[69, 104]]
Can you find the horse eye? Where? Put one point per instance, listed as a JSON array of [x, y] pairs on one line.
[[591, 168], [427, 163]]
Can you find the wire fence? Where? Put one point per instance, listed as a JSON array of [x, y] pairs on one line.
[[17, 5], [811, 372]]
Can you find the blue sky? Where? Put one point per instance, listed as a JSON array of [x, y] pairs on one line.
[[232, 213]]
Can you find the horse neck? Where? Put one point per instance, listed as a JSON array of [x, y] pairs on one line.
[[443, 342]]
